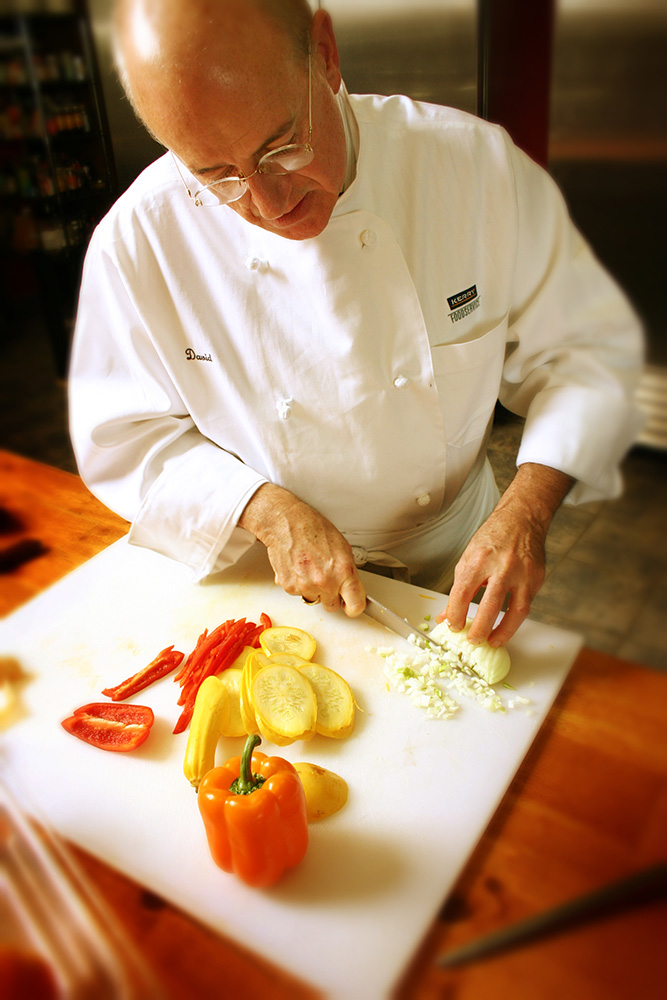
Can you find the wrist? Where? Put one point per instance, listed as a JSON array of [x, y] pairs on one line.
[[536, 493], [266, 509]]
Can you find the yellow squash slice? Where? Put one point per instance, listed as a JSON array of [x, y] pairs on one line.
[[243, 656], [255, 662], [231, 680], [335, 702], [285, 639], [285, 705], [288, 660]]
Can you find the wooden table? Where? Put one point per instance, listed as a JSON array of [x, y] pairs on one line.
[[588, 806]]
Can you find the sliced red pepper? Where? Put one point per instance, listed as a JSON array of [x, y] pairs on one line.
[[205, 643], [166, 661], [111, 726], [186, 715], [212, 654], [225, 652], [216, 650], [182, 673], [253, 638]]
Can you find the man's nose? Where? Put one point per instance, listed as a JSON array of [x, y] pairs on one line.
[[269, 194]]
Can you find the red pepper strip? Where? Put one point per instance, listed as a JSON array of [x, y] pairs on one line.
[[217, 657], [206, 642], [186, 715], [163, 664], [215, 665], [216, 652], [253, 638], [255, 823], [183, 672], [204, 645], [111, 726], [226, 651], [217, 662]]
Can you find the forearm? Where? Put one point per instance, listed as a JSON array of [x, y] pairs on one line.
[[535, 494]]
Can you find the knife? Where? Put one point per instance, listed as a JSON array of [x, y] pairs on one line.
[[644, 886], [379, 613]]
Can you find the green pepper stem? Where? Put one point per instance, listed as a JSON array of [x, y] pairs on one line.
[[246, 780]]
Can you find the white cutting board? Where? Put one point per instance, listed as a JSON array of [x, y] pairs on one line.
[[421, 792]]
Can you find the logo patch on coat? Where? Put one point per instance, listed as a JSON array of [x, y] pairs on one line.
[[463, 303]]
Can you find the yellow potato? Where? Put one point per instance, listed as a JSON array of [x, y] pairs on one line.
[[326, 792]]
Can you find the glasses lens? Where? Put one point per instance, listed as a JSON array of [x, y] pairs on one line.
[[221, 192], [286, 160]]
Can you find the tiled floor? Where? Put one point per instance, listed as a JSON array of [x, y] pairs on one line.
[[606, 563]]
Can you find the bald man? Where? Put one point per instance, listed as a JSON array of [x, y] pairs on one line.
[[295, 325]]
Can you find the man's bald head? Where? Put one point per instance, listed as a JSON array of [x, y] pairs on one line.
[[162, 40], [221, 83]]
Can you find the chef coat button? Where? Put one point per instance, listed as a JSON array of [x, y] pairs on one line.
[[284, 408], [256, 264], [368, 238], [424, 500], [401, 381]]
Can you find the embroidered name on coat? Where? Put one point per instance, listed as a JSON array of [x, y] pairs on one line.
[[191, 356]]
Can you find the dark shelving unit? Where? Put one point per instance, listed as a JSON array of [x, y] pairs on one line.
[[57, 174]]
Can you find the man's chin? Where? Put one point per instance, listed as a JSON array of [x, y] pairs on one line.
[[307, 219]]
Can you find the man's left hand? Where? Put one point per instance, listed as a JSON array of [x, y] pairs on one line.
[[506, 556]]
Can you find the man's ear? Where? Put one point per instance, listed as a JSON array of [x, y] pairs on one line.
[[323, 45]]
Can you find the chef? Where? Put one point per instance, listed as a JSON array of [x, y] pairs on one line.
[[295, 325]]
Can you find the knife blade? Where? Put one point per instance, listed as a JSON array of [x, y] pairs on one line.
[[641, 887], [379, 613]]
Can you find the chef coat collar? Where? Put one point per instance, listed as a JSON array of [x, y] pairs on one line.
[[351, 136]]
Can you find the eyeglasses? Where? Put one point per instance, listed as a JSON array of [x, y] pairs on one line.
[[284, 160]]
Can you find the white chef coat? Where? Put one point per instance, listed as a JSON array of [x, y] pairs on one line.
[[359, 369]]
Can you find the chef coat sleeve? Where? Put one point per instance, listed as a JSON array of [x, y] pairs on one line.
[[575, 346], [137, 448]]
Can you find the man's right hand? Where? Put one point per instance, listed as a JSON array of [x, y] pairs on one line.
[[308, 554]]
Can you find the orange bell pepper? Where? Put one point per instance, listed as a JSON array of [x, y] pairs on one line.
[[254, 813]]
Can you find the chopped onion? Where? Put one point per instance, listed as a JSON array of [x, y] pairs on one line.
[[434, 675]]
